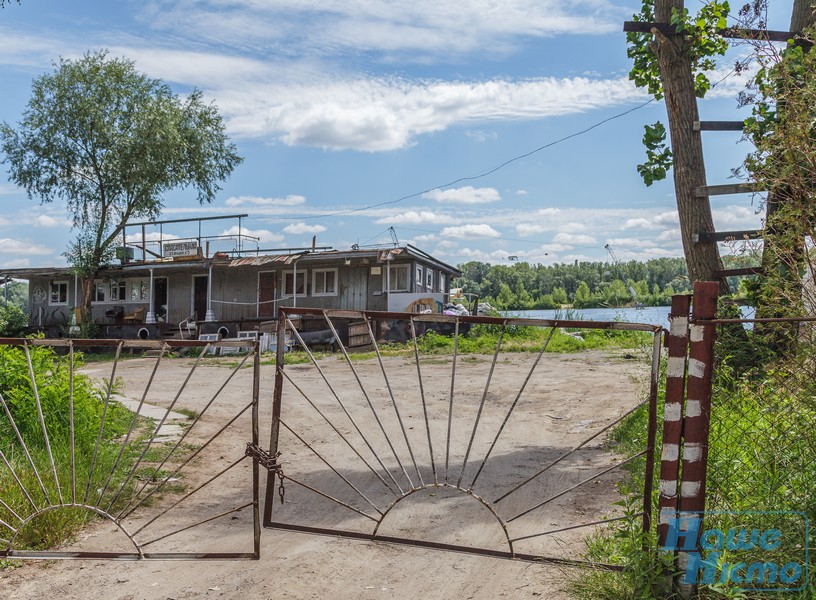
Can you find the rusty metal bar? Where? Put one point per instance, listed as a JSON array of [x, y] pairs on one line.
[[36, 392], [481, 405], [133, 422], [185, 463], [11, 510], [277, 399], [17, 479], [577, 485], [328, 464], [256, 475], [25, 450], [424, 403], [187, 495], [177, 531], [450, 403], [370, 403], [343, 406], [156, 428], [534, 558], [512, 407], [394, 401], [651, 436], [339, 433], [186, 432], [572, 527], [480, 320], [677, 342], [72, 448], [698, 410], [105, 405], [570, 452], [330, 497]]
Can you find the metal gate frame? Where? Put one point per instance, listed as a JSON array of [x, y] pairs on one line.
[[75, 498], [276, 471]]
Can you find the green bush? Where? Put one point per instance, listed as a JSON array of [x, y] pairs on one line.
[[13, 321]]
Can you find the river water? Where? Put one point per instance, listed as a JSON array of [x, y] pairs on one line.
[[654, 315]]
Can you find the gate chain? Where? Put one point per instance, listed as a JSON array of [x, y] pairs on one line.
[[269, 462]]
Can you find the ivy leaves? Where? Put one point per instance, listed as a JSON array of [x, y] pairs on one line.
[[700, 42], [658, 156]]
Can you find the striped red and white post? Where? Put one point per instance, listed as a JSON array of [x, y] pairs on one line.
[[677, 343], [697, 415]]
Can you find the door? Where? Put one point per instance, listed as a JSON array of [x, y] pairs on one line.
[[200, 296], [160, 298], [267, 284]]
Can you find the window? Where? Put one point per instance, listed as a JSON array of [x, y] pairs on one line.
[[397, 279], [138, 290], [289, 283], [118, 290], [442, 282], [419, 281], [59, 293], [99, 295], [324, 282], [429, 279]]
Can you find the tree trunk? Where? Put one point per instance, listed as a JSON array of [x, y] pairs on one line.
[[86, 316], [686, 145]]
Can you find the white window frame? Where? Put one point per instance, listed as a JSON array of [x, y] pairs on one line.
[[143, 287], [100, 286], [429, 279], [301, 281], [316, 273], [392, 278], [420, 281], [51, 285], [120, 285], [442, 282]]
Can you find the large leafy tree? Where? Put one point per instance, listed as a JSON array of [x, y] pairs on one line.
[[110, 141]]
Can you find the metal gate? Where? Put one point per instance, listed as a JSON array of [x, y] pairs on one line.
[[458, 450], [140, 441]]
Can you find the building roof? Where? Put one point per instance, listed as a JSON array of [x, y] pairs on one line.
[[375, 255]]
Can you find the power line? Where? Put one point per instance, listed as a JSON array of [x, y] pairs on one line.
[[483, 174]]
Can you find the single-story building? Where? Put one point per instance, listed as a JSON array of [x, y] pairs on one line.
[[162, 295]]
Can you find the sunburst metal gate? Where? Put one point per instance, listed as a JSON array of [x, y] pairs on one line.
[[393, 447], [76, 451]]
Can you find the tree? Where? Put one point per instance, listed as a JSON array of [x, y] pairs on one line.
[[110, 141], [672, 63]]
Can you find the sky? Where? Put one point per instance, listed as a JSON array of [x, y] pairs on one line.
[[477, 129]]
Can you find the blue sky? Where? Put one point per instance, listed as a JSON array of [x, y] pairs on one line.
[[338, 106]]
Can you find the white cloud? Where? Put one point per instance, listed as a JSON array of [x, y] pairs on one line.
[[49, 221], [464, 195], [638, 223], [413, 217], [150, 236], [530, 228], [17, 263], [291, 200], [263, 235], [12, 246], [629, 243], [470, 231], [573, 239], [400, 28], [730, 217], [521, 192], [299, 228]]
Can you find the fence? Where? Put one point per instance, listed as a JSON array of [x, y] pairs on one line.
[[739, 434]]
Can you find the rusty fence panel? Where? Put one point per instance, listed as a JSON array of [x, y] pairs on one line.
[[363, 441], [158, 446]]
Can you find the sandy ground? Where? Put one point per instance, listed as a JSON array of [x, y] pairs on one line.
[[365, 449]]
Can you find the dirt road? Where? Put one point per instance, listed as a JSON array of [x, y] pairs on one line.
[[566, 399]]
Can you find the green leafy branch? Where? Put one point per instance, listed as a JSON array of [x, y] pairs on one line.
[[658, 156], [701, 43]]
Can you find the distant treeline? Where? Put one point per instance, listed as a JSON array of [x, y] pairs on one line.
[[522, 286]]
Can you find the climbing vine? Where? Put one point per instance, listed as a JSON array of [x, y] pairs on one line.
[[701, 44]]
